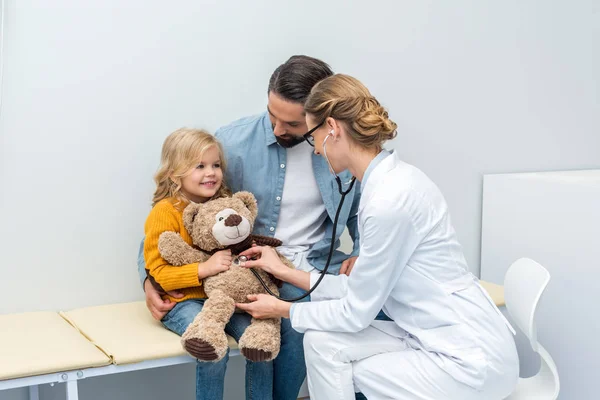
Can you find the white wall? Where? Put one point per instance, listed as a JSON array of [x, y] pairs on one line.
[[554, 219], [92, 88]]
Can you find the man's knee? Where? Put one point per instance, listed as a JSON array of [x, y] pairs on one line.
[[288, 291], [290, 336]]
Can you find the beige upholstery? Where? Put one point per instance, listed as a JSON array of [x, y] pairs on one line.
[[127, 332], [41, 343], [495, 291]]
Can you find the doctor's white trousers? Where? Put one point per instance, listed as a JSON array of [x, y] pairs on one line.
[[386, 367]]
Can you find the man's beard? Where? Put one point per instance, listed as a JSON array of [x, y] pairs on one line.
[[289, 142]]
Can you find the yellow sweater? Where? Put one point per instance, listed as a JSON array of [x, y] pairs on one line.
[[163, 217]]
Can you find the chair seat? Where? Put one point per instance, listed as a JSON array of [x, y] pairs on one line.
[[40, 343], [127, 332]]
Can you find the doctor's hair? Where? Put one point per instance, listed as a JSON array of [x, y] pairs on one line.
[[181, 152], [294, 79], [346, 99]]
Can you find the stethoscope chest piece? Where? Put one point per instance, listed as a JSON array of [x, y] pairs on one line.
[[240, 260]]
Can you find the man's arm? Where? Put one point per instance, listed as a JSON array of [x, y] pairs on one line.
[[142, 264], [157, 306]]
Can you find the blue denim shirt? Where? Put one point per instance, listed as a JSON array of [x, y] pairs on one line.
[[256, 163]]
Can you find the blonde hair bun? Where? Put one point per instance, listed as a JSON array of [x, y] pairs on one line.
[[374, 121], [346, 99]]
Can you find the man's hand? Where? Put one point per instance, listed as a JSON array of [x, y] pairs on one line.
[[264, 306], [157, 306], [347, 265]]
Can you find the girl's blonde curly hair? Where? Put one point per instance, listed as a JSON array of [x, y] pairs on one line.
[[181, 152]]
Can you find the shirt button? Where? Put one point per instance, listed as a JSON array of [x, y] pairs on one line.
[[278, 198], [282, 165], [271, 229]]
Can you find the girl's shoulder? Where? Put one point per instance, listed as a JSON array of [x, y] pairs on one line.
[[168, 206]]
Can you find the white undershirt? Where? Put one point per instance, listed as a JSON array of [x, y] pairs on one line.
[[302, 216]]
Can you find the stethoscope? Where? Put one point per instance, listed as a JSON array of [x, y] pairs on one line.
[[331, 247]]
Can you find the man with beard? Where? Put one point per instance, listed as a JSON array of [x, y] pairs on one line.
[[297, 195], [297, 201]]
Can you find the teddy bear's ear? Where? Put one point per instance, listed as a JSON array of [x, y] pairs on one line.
[[249, 201], [189, 215]]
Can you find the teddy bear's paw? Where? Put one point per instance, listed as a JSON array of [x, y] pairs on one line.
[[261, 340], [204, 343], [200, 349], [257, 355]]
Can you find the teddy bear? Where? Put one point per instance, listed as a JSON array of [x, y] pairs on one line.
[[224, 223]]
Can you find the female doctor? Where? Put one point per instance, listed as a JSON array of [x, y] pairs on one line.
[[446, 339]]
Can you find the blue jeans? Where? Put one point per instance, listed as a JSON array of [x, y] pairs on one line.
[[279, 379]]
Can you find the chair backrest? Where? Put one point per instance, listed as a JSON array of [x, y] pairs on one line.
[[524, 283]]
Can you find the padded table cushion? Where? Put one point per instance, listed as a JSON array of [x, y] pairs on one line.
[[39, 343], [127, 332], [495, 291]]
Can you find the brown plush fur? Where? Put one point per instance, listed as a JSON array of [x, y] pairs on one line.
[[205, 338]]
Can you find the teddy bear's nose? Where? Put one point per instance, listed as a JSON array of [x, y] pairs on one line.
[[233, 220]]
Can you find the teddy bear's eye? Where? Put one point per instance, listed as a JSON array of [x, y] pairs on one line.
[[221, 218]]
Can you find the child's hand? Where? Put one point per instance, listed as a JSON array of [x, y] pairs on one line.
[[218, 262]]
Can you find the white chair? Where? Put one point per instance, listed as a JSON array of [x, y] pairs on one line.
[[524, 283]]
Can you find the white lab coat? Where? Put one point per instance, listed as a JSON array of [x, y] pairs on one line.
[[411, 266]]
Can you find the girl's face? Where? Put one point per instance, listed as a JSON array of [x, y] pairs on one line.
[[205, 179]]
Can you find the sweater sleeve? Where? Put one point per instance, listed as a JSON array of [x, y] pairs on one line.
[[163, 218]]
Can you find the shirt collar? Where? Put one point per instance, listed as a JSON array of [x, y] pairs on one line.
[[372, 165], [269, 134]]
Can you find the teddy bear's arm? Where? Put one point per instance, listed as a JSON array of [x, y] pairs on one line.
[[266, 241], [176, 251]]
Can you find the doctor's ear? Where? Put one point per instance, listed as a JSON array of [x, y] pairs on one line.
[[333, 128]]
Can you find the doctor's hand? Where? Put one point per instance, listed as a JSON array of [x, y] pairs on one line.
[[268, 260], [264, 306], [347, 266]]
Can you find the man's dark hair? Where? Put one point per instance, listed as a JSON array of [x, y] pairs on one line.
[[294, 79]]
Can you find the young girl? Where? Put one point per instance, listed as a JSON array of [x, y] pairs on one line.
[[192, 169]]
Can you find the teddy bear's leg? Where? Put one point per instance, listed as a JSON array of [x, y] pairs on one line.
[[205, 338], [261, 340]]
